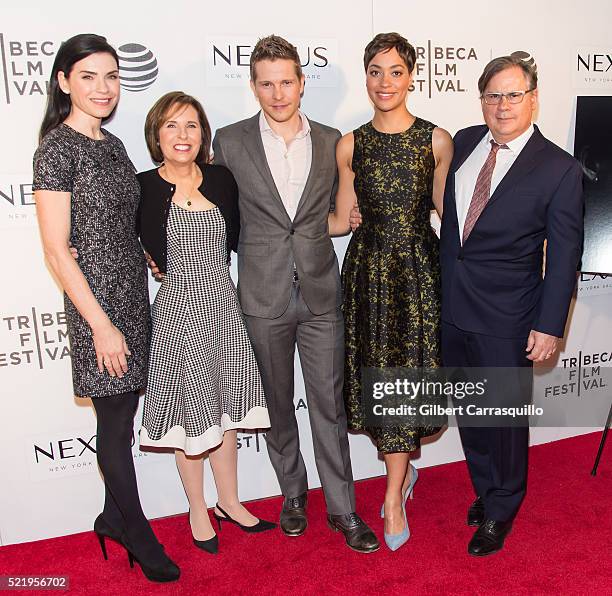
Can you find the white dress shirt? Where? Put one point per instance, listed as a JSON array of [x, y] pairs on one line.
[[290, 165], [467, 174]]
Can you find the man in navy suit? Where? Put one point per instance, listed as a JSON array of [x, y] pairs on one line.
[[508, 191]]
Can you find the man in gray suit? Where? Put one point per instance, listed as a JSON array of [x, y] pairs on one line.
[[289, 284]]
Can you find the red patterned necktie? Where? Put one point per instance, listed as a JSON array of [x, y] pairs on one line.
[[482, 190]]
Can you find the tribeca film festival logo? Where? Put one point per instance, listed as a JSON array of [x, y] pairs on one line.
[[593, 67], [35, 338], [583, 374], [441, 69], [247, 441], [227, 60], [256, 439], [27, 64]]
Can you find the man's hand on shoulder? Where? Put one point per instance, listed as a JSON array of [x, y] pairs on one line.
[[541, 346]]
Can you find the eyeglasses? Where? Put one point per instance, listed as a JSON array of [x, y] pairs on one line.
[[492, 99]]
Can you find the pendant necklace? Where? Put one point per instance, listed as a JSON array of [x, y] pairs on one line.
[[187, 197], [187, 204]]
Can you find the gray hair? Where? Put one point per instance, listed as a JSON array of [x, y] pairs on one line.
[[502, 63]]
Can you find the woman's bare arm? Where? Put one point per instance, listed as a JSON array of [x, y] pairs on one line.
[[53, 212], [443, 149], [345, 197]]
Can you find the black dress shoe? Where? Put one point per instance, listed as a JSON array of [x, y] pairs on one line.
[[356, 532], [489, 538], [293, 520], [476, 513]]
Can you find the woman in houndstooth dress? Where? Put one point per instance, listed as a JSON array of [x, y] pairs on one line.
[[203, 378]]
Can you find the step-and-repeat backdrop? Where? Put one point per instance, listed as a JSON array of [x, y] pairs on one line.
[[50, 482]]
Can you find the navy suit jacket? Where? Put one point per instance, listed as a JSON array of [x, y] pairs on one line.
[[493, 285]]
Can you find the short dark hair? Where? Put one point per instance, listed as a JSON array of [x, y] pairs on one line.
[[384, 42], [159, 113], [496, 65], [273, 48], [70, 52]]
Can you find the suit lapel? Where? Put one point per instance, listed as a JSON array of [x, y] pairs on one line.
[[315, 165], [523, 164], [255, 148], [468, 146]]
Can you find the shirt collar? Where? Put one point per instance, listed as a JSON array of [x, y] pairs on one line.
[[516, 145], [264, 126]]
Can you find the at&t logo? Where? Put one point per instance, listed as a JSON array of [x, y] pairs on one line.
[[138, 67]]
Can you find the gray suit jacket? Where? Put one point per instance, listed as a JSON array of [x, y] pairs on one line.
[[270, 243]]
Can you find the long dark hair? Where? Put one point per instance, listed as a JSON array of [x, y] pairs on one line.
[[70, 52]]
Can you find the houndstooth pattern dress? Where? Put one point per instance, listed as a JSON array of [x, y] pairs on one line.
[[203, 377]]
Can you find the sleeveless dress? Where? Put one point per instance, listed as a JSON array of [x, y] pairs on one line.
[[203, 377], [391, 272], [103, 206]]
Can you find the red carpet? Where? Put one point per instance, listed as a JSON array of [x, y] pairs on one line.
[[560, 544]]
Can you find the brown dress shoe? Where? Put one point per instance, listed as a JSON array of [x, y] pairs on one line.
[[293, 520], [356, 532], [489, 538], [476, 513]]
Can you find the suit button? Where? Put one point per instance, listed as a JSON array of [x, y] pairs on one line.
[[292, 231], [460, 258]]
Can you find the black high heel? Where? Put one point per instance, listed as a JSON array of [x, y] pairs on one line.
[[104, 530], [168, 571], [210, 546], [261, 526]]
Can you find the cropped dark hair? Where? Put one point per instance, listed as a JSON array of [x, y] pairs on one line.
[[70, 52], [496, 65], [384, 42], [160, 112], [274, 47]]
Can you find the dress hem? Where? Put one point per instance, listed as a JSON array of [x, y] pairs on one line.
[[176, 437]]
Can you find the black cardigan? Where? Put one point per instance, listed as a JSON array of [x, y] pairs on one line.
[[218, 186]]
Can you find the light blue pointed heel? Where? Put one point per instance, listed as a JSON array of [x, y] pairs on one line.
[[394, 541], [409, 490]]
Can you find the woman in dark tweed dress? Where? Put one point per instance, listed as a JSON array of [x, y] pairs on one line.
[[395, 167], [87, 194]]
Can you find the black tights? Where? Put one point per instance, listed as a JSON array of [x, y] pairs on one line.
[[122, 509]]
